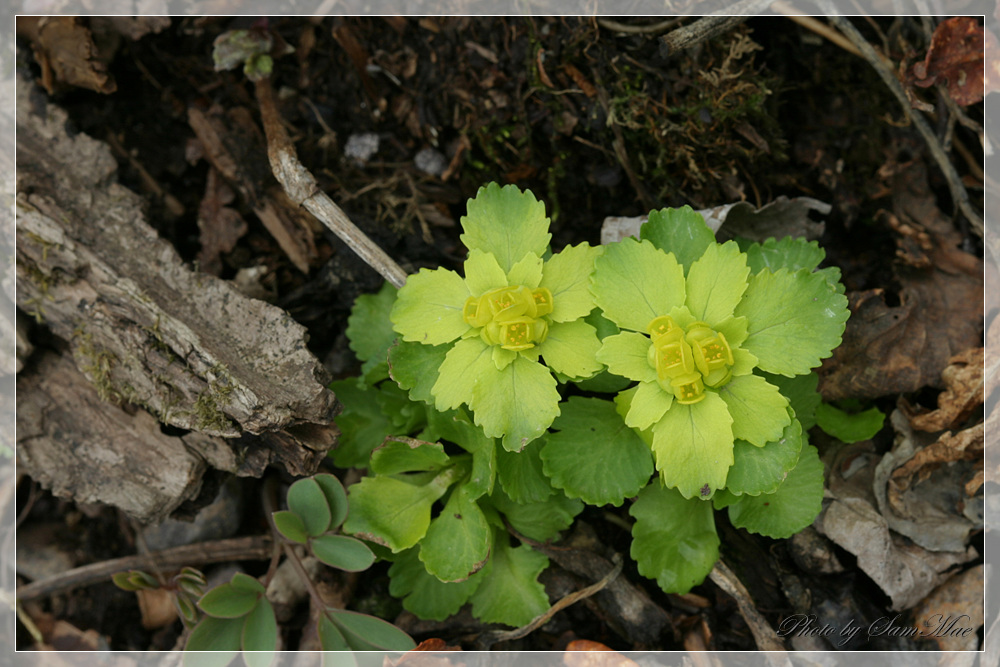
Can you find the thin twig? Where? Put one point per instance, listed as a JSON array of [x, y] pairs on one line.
[[487, 640], [301, 186], [708, 27], [617, 26], [958, 192], [763, 635], [816, 26], [240, 548]]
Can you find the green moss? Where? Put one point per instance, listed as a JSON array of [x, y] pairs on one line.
[[96, 363]]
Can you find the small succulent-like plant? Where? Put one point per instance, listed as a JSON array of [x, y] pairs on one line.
[[514, 319]]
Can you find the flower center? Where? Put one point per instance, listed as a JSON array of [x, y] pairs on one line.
[[511, 317], [686, 361]]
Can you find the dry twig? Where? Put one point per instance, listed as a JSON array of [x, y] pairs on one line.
[[221, 551], [708, 27], [762, 632], [301, 186], [487, 640]]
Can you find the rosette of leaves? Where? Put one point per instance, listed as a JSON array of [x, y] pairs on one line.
[[721, 344], [492, 339]]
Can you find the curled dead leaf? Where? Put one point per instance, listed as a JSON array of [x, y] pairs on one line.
[[64, 48], [954, 612], [956, 55]]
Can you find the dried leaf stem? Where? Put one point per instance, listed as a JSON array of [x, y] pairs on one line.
[[765, 637], [301, 186]]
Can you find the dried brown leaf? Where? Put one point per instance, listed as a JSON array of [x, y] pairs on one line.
[[963, 380], [586, 86], [64, 48], [956, 55], [221, 226]]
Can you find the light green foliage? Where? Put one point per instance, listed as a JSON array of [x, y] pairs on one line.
[[593, 456], [511, 593], [506, 327], [710, 348], [370, 334], [237, 617], [789, 509], [849, 426], [673, 539]]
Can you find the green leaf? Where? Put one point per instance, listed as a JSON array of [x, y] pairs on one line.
[[801, 394], [593, 455], [129, 581], [570, 348], [757, 407], [681, 231], [716, 282], [848, 427], [482, 273], [330, 638], [401, 454], [627, 354], [368, 633], [260, 635], [458, 541], [429, 306], [391, 512], [541, 521], [343, 553], [788, 253], [404, 414], [306, 498], [370, 333], [216, 634], [336, 497], [362, 425], [414, 367], [520, 474], [424, 594], [758, 470], [567, 276], [506, 222], [462, 367], [291, 526], [527, 271], [510, 593], [635, 282], [244, 582], [484, 470], [794, 320], [693, 446], [649, 404], [517, 403], [673, 539], [227, 601], [791, 508]]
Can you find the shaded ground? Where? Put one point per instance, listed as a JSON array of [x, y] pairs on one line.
[[596, 122]]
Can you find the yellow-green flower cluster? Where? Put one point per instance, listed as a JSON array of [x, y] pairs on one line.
[[686, 361], [511, 317]]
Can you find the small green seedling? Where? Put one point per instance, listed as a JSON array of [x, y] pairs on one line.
[[186, 587]]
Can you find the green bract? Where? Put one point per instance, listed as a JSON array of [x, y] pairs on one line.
[[697, 336], [509, 323]]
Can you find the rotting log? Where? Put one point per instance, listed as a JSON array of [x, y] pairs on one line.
[[142, 327]]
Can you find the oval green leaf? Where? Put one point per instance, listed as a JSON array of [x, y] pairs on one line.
[[227, 601], [216, 634], [290, 525], [260, 635], [343, 553], [367, 633], [336, 497], [245, 582], [306, 498]]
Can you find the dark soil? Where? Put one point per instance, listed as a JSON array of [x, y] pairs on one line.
[[596, 123]]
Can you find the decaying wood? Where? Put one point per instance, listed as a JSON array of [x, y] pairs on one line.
[[144, 328], [80, 446]]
